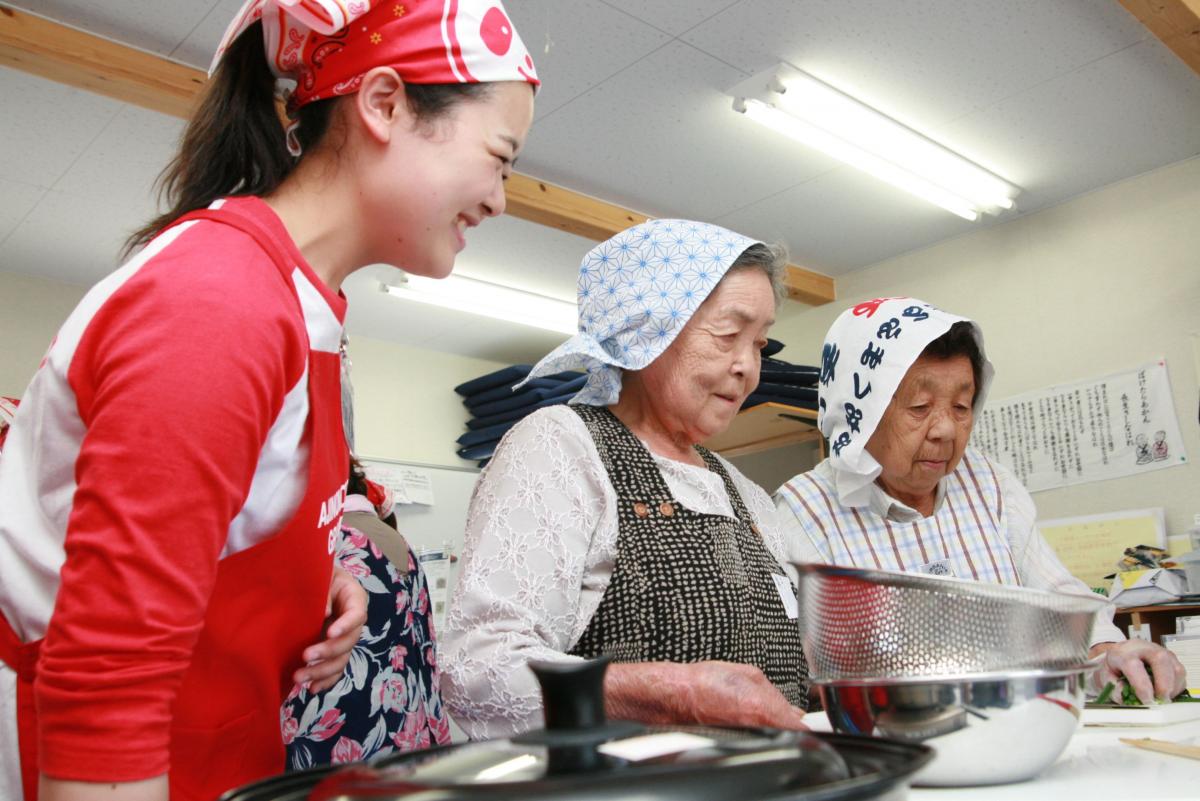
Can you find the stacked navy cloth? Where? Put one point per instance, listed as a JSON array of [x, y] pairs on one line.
[[495, 407], [783, 382]]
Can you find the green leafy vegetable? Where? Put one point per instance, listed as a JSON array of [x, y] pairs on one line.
[[1129, 697]]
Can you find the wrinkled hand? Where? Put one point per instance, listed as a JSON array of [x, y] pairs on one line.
[[704, 693], [1128, 661], [346, 609]]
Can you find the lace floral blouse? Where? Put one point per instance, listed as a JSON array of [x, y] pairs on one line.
[[389, 699]]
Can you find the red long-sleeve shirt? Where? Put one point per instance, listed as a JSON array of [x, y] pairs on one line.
[[162, 433]]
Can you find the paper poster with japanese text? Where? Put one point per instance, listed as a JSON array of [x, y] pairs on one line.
[[1119, 425]]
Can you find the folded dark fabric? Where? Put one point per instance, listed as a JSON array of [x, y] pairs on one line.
[[780, 364], [761, 397], [516, 414], [772, 347], [781, 372], [504, 377], [524, 397], [787, 391], [485, 434], [482, 451], [506, 391]]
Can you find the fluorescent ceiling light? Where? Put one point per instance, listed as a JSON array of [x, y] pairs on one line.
[[801, 107], [473, 296]]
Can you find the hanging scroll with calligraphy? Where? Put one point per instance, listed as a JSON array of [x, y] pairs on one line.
[[1110, 427]]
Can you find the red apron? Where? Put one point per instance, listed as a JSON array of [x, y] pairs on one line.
[[267, 606]]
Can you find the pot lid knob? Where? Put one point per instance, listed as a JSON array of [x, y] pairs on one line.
[[572, 693]]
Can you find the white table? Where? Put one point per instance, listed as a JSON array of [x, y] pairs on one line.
[[1095, 766]]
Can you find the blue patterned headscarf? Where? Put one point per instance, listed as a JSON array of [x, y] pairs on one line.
[[636, 292]]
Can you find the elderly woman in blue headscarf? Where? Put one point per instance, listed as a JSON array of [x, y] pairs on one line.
[[604, 528]]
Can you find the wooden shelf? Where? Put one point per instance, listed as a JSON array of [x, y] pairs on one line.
[[1177, 606], [766, 426], [1159, 618]]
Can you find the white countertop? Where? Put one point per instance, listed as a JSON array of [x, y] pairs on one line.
[[1095, 766]]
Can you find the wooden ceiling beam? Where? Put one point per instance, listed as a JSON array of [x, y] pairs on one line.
[[546, 204], [1175, 22], [49, 50], [66, 55]]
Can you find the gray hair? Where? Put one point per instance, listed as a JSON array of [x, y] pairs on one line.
[[772, 259]]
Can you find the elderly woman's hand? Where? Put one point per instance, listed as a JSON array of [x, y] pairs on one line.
[[704, 693], [1129, 660]]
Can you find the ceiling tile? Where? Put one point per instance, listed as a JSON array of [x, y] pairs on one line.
[[153, 25], [845, 220], [67, 238], [16, 200], [672, 16], [924, 63], [524, 255], [662, 138], [200, 45], [577, 45], [124, 160], [1068, 136], [46, 126]]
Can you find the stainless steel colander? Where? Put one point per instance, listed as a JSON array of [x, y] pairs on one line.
[[875, 624]]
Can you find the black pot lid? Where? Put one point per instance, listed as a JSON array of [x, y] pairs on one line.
[[580, 756]]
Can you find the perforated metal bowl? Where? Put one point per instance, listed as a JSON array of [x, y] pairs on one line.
[[878, 624]]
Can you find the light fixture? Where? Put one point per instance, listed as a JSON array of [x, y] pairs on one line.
[[809, 111], [473, 296]]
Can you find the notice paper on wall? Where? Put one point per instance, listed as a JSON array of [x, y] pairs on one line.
[[1090, 547], [435, 562], [409, 484], [1119, 425]]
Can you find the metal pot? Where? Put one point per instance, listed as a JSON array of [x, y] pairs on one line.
[[987, 729], [579, 756]]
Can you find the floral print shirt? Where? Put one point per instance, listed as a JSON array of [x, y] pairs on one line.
[[389, 698]]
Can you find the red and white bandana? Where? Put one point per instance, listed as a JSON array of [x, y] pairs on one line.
[[324, 47]]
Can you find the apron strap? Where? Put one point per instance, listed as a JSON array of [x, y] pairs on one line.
[[22, 658], [247, 226]]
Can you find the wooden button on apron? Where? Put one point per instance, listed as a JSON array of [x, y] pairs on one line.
[[754, 528], [666, 509], [640, 509]]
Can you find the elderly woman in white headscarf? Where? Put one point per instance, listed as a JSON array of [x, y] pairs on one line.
[[901, 383], [603, 528]]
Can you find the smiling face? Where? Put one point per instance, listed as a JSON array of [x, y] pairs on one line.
[[698, 383], [925, 429], [431, 181]]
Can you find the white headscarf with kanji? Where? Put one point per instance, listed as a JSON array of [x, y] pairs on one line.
[[866, 355]]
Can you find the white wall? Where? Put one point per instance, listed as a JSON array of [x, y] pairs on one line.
[[404, 402], [31, 310], [1103, 283], [405, 406]]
